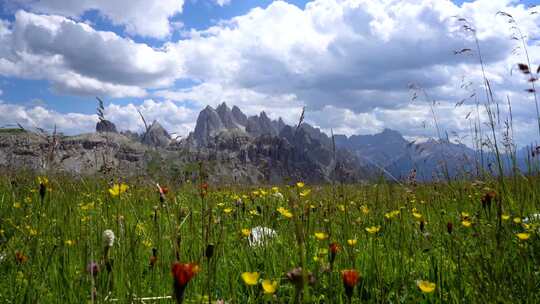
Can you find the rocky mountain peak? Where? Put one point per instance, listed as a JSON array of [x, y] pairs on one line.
[[156, 136]]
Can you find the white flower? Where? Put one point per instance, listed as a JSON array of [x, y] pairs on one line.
[[278, 195], [108, 238], [259, 235]]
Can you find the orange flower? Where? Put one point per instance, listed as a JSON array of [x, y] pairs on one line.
[[350, 279], [183, 273], [20, 257]]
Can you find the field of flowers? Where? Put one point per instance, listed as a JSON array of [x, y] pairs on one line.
[[65, 240]]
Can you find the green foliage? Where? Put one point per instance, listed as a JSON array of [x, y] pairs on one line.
[[61, 234]]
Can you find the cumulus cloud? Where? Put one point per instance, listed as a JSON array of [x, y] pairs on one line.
[[350, 62], [176, 118], [77, 59], [140, 17]]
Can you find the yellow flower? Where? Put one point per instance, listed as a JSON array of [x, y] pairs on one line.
[[426, 286], [465, 214], [275, 189], [391, 214], [286, 213], [300, 184], [517, 220], [254, 212], [250, 278], [147, 243], [28, 200], [32, 231], [373, 229], [246, 232], [305, 192], [321, 236], [505, 217], [69, 242], [523, 236], [227, 210], [466, 223], [352, 242], [364, 209], [43, 180], [118, 189], [17, 205], [269, 287], [220, 204], [341, 208], [417, 215]]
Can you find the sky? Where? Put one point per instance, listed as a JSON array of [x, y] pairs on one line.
[[350, 63]]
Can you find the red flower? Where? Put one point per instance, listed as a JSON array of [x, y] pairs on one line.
[[334, 248], [183, 273], [350, 279]]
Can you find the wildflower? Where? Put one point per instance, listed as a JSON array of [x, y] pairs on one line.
[[321, 236], [227, 210], [364, 209], [296, 277], [254, 212], [334, 249], [275, 189], [43, 182], [285, 212], [417, 216], [466, 223], [352, 242], [505, 217], [300, 184], [69, 242], [92, 268], [153, 258], [426, 286], [250, 278], [246, 232], [465, 215], [118, 189], [305, 193], [350, 279], [209, 252], [108, 238], [16, 205], [517, 220], [269, 287], [373, 229], [259, 235], [391, 214], [523, 236], [20, 257], [278, 195], [182, 274]]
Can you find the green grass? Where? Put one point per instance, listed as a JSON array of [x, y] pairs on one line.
[[485, 263]]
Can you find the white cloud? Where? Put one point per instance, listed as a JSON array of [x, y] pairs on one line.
[[349, 61], [140, 17], [223, 2], [175, 118], [77, 59]]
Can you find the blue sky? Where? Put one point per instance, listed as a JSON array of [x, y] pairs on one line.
[[349, 62]]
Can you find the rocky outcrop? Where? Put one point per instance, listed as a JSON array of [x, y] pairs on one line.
[[104, 125], [156, 136]]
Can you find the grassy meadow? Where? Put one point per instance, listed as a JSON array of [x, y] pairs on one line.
[[457, 242]]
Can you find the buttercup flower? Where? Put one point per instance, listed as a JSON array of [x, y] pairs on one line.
[[426, 286], [269, 287], [250, 278]]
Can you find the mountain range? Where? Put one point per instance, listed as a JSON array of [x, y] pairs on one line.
[[236, 148]]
